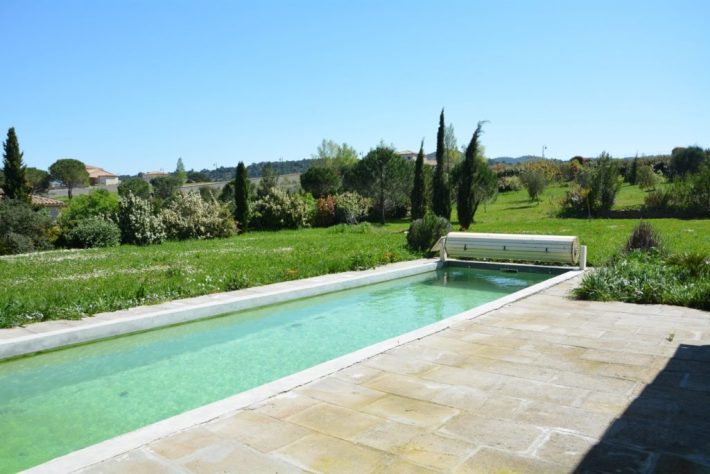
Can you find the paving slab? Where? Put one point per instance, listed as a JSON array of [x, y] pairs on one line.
[[546, 384]]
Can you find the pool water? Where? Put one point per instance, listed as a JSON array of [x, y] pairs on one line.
[[60, 401]]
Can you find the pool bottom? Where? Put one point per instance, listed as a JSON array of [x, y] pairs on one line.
[[121, 444]]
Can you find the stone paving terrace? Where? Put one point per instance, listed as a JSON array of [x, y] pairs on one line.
[[546, 384]]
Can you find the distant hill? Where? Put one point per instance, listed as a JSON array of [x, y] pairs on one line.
[[514, 161]]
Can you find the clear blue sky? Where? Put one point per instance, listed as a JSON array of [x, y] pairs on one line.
[[133, 85]]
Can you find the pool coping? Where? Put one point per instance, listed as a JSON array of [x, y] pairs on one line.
[[117, 323], [118, 445]]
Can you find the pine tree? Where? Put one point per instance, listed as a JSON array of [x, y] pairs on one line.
[[241, 197], [16, 185], [419, 188], [441, 198]]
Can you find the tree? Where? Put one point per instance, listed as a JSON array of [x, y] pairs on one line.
[[269, 180], [687, 160], [139, 187], [477, 183], [241, 197], [534, 182], [645, 177], [197, 177], [384, 176], [633, 170], [453, 154], [15, 186], [441, 198], [336, 156], [419, 193], [320, 181], [180, 173], [164, 187], [71, 173], [38, 180]]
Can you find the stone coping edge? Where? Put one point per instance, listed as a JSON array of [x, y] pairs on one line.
[[110, 448], [118, 323]]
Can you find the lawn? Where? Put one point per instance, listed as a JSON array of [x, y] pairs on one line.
[[72, 284]]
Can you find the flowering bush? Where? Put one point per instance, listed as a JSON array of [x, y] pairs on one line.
[[325, 211], [351, 208], [279, 210], [509, 183], [189, 216], [137, 222]]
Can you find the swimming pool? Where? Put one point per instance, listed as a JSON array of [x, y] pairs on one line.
[[57, 402]]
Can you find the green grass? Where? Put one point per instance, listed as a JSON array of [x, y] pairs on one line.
[[73, 284], [514, 213]]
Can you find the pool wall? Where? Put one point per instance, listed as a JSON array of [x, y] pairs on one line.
[[143, 318], [273, 294]]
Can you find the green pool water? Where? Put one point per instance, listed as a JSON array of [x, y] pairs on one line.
[[57, 402]]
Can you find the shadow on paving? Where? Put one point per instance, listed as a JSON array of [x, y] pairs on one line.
[[666, 428]]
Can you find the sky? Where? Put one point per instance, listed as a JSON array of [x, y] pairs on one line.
[[133, 85]]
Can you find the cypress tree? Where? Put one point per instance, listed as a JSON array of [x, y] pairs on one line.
[[16, 185], [633, 171], [241, 197], [419, 188], [465, 199], [441, 198]]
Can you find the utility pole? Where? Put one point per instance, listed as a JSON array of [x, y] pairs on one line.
[[544, 147]]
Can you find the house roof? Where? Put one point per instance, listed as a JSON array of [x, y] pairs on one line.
[[46, 202], [96, 172], [40, 200]]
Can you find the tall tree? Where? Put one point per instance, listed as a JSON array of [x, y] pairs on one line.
[[633, 170], [180, 172], [419, 188], [71, 173], [332, 154], [269, 180], [386, 177], [453, 154], [38, 180], [477, 182], [16, 186], [441, 198], [241, 197]]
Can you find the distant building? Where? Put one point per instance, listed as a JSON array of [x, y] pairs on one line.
[[100, 176], [52, 205], [410, 155], [148, 175]]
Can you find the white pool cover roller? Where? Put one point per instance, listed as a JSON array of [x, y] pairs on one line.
[[519, 247]]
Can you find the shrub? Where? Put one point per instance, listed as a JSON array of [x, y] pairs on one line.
[[509, 183], [351, 208], [650, 278], [94, 232], [534, 182], [657, 200], [645, 238], [325, 211], [645, 177], [22, 228], [690, 196], [139, 187], [137, 222], [594, 189], [189, 216], [423, 233], [279, 210], [98, 203]]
